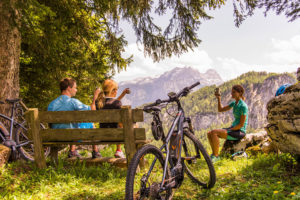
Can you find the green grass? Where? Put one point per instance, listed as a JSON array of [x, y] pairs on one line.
[[262, 177]]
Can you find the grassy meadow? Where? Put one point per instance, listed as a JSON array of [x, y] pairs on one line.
[[261, 177]]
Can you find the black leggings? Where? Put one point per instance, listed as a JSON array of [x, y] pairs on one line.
[[238, 134]]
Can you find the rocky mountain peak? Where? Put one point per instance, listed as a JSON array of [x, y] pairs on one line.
[[147, 89]]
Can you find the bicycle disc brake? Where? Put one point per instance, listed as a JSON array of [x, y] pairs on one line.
[[154, 191], [144, 191], [178, 173]]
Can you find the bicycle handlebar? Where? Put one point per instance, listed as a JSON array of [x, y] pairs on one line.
[[157, 102], [194, 85], [186, 90], [183, 92]]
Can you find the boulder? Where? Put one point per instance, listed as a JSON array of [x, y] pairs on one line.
[[284, 120], [252, 143], [4, 154]]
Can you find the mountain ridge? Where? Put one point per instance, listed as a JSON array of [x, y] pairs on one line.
[[147, 89], [260, 87]]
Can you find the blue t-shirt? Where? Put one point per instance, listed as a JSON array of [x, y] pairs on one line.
[[239, 109], [66, 103], [86, 125]]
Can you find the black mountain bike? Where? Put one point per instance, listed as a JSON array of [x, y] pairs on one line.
[[153, 173], [16, 137]]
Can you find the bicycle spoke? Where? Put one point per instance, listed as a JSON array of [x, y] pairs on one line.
[[23, 135], [23, 144], [26, 147], [197, 164], [147, 172]]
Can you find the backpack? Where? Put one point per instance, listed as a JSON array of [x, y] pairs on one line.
[[281, 89]]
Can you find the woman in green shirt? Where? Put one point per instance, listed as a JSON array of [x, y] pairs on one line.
[[238, 128]]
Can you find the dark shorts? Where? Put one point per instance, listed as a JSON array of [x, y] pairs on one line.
[[236, 134]]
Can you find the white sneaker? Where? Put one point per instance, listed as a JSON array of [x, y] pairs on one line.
[[119, 154]]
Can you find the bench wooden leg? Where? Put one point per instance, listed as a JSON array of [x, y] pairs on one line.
[[129, 151], [129, 137], [39, 155]]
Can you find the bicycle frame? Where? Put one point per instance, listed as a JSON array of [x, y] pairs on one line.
[[12, 124], [178, 121]]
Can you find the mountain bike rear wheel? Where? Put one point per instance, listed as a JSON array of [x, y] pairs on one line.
[[26, 151], [141, 181], [197, 163]]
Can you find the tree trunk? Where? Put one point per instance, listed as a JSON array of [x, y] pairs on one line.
[[10, 45]]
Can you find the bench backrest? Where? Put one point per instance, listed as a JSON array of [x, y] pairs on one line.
[[97, 134], [127, 135]]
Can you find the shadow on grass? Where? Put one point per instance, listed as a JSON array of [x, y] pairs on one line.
[[75, 181]]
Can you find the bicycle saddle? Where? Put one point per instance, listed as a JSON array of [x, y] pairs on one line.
[[12, 100], [152, 108]]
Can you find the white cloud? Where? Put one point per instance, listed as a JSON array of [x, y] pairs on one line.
[[144, 66], [286, 52], [284, 56]]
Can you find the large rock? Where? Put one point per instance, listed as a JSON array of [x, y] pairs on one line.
[[284, 120], [4, 154], [252, 142]]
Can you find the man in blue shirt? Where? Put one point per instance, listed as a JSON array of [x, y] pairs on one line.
[[65, 102]]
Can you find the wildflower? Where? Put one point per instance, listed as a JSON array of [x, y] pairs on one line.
[[293, 193], [279, 182], [275, 192]]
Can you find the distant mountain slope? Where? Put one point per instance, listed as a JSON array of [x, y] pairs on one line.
[[260, 87], [146, 90]]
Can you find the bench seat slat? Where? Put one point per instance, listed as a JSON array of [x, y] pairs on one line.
[[104, 116], [101, 134]]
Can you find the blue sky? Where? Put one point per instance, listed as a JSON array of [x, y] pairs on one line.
[[261, 44]]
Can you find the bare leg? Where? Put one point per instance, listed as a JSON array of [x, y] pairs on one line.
[[209, 139], [95, 148], [119, 147], [214, 139], [72, 148]]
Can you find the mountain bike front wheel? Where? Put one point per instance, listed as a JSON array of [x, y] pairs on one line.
[[197, 163], [145, 174]]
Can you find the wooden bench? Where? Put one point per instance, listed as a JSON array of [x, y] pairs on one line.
[[128, 135]]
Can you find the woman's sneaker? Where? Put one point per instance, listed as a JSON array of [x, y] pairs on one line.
[[119, 154], [239, 154], [214, 158], [74, 154], [96, 154]]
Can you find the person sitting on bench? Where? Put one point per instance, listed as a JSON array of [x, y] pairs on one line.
[[64, 102], [238, 128], [107, 100]]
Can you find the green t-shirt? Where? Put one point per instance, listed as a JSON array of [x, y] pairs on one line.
[[239, 109]]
